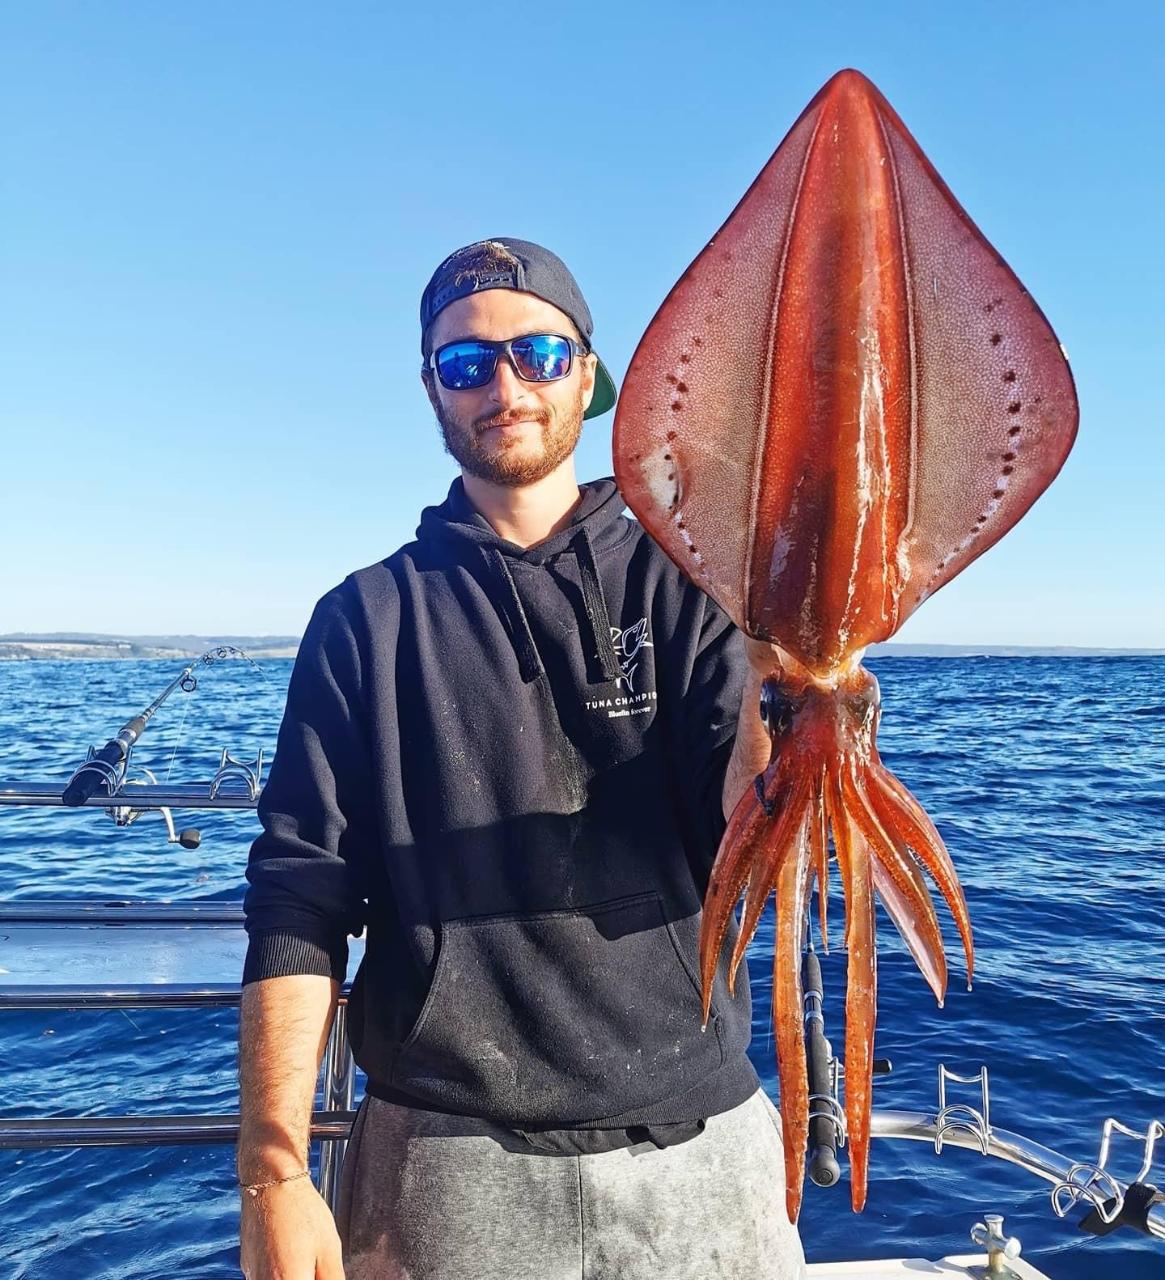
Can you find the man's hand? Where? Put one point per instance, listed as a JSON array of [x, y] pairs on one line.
[[287, 1232], [764, 658], [752, 748]]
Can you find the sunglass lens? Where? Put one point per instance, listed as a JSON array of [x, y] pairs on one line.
[[542, 357], [461, 366]]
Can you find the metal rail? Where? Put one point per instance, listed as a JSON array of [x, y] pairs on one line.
[[171, 995], [330, 1126], [54, 911], [1002, 1144], [967, 1123], [958, 1124], [136, 795]]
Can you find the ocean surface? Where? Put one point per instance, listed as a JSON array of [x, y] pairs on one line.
[[1046, 777]]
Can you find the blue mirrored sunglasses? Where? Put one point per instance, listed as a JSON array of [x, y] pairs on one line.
[[470, 363]]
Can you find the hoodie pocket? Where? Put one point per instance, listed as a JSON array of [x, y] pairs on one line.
[[560, 1018]]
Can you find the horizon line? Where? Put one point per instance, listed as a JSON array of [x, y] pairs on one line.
[[192, 644]]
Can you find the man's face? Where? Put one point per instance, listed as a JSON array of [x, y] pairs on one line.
[[510, 432]]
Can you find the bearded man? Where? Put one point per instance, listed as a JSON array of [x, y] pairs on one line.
[[507, 753]]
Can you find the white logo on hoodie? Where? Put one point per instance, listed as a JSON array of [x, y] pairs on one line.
[[628, 645]]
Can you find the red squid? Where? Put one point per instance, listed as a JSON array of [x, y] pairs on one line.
[[845, 399]]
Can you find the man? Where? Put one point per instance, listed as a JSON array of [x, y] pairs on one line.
[[508, 751]]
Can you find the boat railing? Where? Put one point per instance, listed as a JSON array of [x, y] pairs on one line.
[[92, 929], [39, 927], [1073, 1182], [1089, 1183], [204, 939]]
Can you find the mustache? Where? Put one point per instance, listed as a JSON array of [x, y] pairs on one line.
[[508, 418]]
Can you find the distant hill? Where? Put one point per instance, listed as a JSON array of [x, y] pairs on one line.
[[92, 647], [896, 650]]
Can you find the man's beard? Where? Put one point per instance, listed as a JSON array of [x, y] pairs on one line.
[[513, 465]]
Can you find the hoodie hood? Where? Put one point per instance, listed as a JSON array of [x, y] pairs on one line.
[[456, 520], [596, 525]]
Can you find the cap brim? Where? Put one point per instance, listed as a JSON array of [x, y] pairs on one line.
[[605, 393]]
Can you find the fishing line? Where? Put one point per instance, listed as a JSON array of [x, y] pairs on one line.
[[190, 685], [177, 739]]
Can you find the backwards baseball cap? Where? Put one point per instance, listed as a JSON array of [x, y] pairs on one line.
[[504, 263]]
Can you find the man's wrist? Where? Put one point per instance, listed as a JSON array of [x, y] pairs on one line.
[[257, 1162], [764, 658], [255, 1189]]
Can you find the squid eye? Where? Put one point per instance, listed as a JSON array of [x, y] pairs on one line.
[[776, 709], [863, 706]]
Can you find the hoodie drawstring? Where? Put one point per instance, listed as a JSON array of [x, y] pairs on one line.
[[595, 604], [600, 643], [529, 661]]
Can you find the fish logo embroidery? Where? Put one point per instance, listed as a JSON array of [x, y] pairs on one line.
[[629, 644]]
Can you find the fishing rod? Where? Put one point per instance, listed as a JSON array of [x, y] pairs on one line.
[[104, 771], [826, 1119], [106, 768]]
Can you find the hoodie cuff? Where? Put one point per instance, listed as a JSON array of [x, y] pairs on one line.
[[275, 954]]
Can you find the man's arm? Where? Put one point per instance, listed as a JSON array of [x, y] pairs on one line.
[[286, 1229], [305, 897]]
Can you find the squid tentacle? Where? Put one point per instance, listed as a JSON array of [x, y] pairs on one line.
[[785, 833], [900, 886], [819, 856], [902, 815], [853, 857], [735, 860], [792, 884]]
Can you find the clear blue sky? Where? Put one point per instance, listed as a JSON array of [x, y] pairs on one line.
[[218, 218]]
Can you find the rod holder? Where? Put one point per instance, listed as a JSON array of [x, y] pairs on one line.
[[962, 1117], [1094, 1183]]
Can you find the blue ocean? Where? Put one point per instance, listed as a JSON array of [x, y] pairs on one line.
[[1046, 777]]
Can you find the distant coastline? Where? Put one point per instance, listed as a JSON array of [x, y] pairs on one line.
[[92, 647], [893, 649], [83, 646]]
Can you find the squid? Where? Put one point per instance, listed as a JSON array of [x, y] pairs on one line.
[[846, 398]]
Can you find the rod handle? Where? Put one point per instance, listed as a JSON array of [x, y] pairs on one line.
[[823, 1129], [824, 1171], [87, 781]]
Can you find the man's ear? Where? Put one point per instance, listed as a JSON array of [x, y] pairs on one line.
[[587, 366], [430, 385]]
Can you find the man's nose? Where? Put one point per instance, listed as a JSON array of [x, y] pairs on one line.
[[507, 389]]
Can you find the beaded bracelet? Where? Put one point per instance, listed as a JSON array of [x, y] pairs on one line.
[[253, 1188]]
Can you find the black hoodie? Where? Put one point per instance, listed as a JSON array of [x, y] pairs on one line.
[[507, 765]]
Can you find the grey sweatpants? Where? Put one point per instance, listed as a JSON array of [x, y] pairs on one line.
[[434, 1197]]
